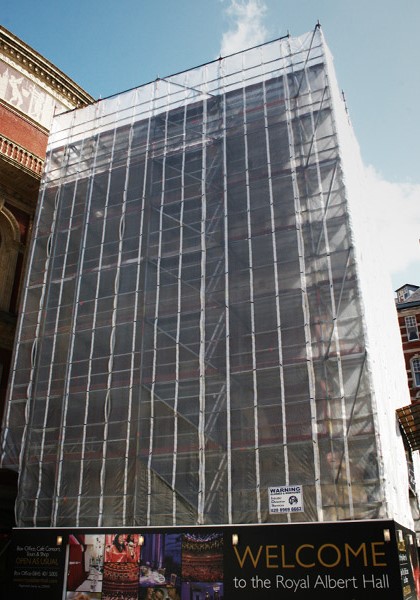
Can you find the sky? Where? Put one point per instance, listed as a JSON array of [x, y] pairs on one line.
[[108, 47]]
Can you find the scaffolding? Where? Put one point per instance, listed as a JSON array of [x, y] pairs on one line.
[[192, 330]]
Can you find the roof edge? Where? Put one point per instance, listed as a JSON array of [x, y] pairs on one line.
[[43, 69]]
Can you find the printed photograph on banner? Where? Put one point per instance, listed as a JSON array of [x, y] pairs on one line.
[[160, 565], [121, 566], [202, 566], [85, 565]]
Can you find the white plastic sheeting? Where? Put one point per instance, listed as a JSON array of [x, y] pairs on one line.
[[194, 326], [382, 333]]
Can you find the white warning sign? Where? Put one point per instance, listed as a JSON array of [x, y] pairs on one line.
[[285, 499]]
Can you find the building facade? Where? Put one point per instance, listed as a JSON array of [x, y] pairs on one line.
[[199, 324], [408, 309], [32, 90]]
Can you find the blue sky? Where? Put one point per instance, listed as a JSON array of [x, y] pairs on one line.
[[108, 47]]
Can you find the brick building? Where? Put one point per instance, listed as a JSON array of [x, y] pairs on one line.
[[32, 90], [408, 309]]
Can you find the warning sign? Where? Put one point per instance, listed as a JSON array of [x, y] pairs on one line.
[[285, 499]]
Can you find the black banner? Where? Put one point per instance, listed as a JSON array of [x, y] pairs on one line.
[[408, 563], [38, 560], [360, 560], [298, 561]]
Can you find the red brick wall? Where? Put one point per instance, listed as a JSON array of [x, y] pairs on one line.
[[410, 348], [22, 132]]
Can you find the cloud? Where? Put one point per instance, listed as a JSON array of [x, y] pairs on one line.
[[247, 27], [395, 209]]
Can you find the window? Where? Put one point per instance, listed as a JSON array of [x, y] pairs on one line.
[[411, 327], [9, 249], [415, 370], [405, 292]]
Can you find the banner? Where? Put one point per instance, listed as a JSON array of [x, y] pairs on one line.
[[39, 560], [299, 561], [360, 560]]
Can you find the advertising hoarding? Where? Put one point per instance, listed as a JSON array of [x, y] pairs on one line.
[[360, 560]]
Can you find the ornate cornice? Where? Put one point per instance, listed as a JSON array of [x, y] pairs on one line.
[[44, 71]]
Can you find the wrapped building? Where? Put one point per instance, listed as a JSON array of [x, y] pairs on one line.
[[197, 323]]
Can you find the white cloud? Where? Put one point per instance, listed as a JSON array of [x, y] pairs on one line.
[[396, 212], [247, 26], [395, 206]]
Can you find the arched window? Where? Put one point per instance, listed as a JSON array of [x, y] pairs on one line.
[[9, 249]]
